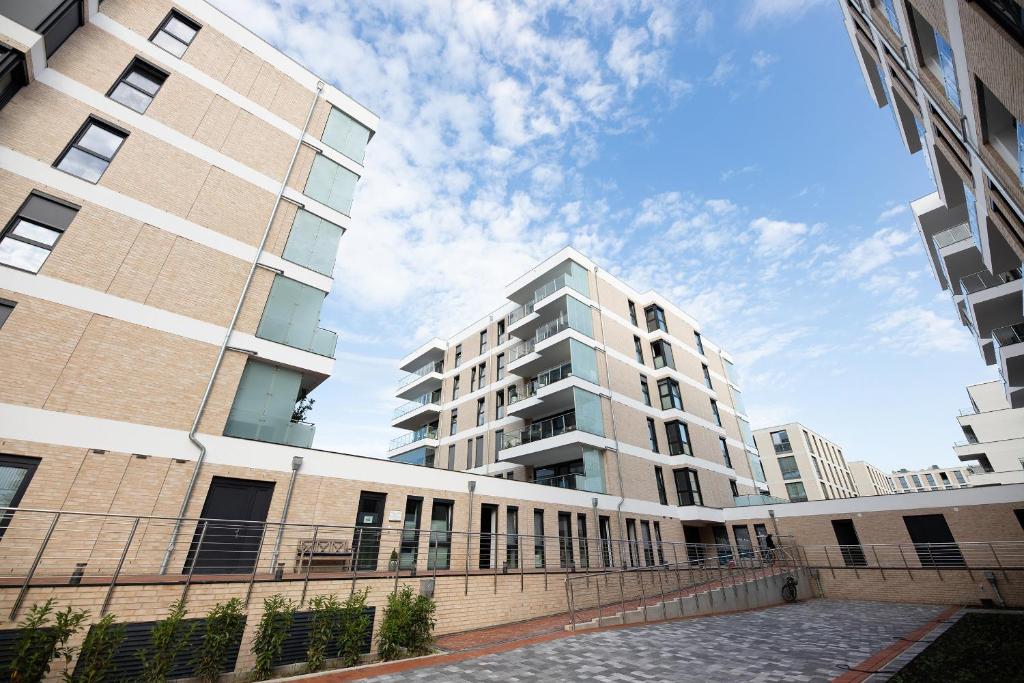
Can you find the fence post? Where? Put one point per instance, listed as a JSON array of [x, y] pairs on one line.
[[32, 569], [598, 584], [679, 581], [117, 570], [829, 560], [878, 563], [195, 558], [355, 558], [568, 603], [622, 595], [999, 564], [905, 563], [469, 550], [256, 564], [643, 593], [309, 565]]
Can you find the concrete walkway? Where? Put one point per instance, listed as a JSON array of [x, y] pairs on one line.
[[808, 641]]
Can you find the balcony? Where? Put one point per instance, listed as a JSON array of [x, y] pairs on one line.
[[251, 424], [744, 501], [542, 429], [562, 481], [519, 403], [529, 357], [1008, 343], [993, 302], [424, 379], [423, 409], [955, 235], [566, 274], [791, 474], [406, 441], [426, 354], [291, 316]]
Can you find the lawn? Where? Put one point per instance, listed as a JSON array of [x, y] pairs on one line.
[[980, 647]]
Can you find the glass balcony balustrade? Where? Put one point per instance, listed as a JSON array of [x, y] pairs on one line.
[[755, 499], [1005, 337], [252, 424], [419, 402], [434, 366], [976, 282], [539, 430], [958, 233], [412, 437], [530, 387]]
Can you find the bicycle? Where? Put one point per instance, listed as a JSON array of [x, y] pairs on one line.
[[789, 589]]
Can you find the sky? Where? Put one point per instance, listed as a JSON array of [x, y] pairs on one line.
[[725, 153]]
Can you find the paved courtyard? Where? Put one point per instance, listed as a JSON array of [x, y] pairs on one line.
[[808, 641]]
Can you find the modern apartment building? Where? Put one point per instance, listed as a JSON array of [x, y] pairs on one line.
[[953, 74], [174, 193], [869, 480], [579, 381], [933, 478], [993, 437], [800, 464]]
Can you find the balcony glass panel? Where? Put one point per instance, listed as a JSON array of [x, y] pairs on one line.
[[584, 361], [419, 456], [948, 68], [419, 402], [429, 432], [579, 315], [331, 184], [593, 468], [957, 233], [540, 429], [436, 366], [346, 135], [263, 405], [972, 215], [292, 316], [313, 243], [757, 499], [748, 436], [976, 282], [737, 400], [589, 417]]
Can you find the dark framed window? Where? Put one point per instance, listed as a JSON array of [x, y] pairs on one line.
[[652, 435], [725, 451], [707, 376], [499, 404], [138, 85], [733, 488], [655, 315], [699, 342], [455, 387], [6, 308], [16, 473], [479, 457], [482, 375], [483, 341], [500, 367], [662, 352], [34, 230], [501, 332], [780, 441], [458, 355], [176, 33], [454, 424], [678, 438], [481, 413], [688, 487], [91, 150], [451, 457], [659, 479], [668, 391], [639, 350], [645, 391], [714, 411], [632, 312]]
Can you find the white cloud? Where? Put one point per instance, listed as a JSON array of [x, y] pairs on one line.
[[758, 11], [875, 251], [916, 330], [723, 71], [892, 212], [730, 173], [778, 238], [762, 60], [628, 58]]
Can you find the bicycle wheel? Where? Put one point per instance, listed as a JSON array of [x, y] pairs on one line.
[[789, 592]]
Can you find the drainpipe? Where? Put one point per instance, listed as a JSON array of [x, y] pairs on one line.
[[296, 464], [611, 406], [469, 532], [227, 337]]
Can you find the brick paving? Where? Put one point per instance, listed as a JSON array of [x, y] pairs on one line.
[[809, 641]]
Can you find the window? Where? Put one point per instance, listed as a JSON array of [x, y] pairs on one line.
[[538, 538], [479, 459], [499, 404], [15, 474], [499, 438], [346, 135], [956, 473], [687, 487], [581, 535], [31, 235], [655, 315], [796, 492], [659, 479], [790, 470], [483, 341], [645, 391], [91, 150], [482, 375], [455, 387], [930, 479], [472, 380], [639, 350], [176, 33], [440, 542], [733, 488], [699, 342], [469, 453], [725, 451], [451, 457], [889, 7], [512, 538], [454, 426], [668, 391], [6, 308], [501, 332], [807, 440], [780, 440], [714, 411], [138, 85], [661, 351], [707, 376], [458, 355], [1007, 13], [501, 367], [652, 435], [678, 438], [481, 413], [632, 313], [1001, 129], [313, 242], [903, 482]]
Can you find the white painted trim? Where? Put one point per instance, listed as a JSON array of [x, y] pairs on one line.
[[135, 313], [41, 174]]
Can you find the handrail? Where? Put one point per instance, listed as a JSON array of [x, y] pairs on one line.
[[422, 371], [411, 437], [408, 407], [954, 235]]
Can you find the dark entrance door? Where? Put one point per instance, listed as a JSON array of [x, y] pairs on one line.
[[722, 545], [488, 529], [369, 520], [933, 541], [849, 543], [695, 551], [565, 558], [230, 546], [409, 548]]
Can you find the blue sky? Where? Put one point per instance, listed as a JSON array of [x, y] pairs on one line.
[[724, 153]]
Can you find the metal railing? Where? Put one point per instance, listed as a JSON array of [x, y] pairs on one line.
[[1009, 335], [562, 481], [757, 499], [434, 366], [540, 429], [958, 233], [983, 279], [528, 389], [412, 437], [416, 403]]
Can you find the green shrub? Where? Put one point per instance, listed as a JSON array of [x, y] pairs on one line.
[[96, 661], [168, 638], [407, 627], [224, 624], [278, 614], [355, 622], [323, 630], [39, 643]]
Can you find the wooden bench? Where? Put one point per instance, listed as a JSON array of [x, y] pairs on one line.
[[323, 555]]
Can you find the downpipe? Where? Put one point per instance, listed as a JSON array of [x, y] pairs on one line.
[[296, 464], [221, 352]]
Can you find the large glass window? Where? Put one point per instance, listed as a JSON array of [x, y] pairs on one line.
[[652, 435], [15, 474], [31, 235], [688, 487], [655, 315], [662, 352], [790, 470], [796, 492], [678, 438], [313, 242], [659, 480], [138, 85], [632, 312], [91, 150], [175, 33], [668, 391], [780, 440], [714, 411], [331, 184], [346, 135], [538, 538], [639, 350], [645, 391], [439, 553], [1002, 130], [725, 451]]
